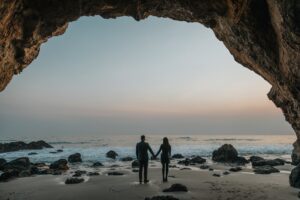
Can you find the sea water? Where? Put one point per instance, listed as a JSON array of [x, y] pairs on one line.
[[94, 148]]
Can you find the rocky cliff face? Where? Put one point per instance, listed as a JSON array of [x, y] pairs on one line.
[[262, 35]]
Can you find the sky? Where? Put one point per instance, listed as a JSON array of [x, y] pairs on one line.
[[119, 76]]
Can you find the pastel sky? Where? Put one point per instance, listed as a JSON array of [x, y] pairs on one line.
[[120, 76]]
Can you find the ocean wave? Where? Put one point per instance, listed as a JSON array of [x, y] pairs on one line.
[[231, 139]]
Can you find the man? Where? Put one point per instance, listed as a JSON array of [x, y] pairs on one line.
[[142, 149]]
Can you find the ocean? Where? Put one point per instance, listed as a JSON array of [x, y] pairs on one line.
[[94, 148]]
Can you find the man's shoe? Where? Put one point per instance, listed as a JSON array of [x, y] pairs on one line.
[[146, 181]]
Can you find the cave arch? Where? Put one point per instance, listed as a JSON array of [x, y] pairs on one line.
[[262, 35]]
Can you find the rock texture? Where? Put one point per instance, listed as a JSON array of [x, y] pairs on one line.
[[76, 157], [16, 146], [262, 35]]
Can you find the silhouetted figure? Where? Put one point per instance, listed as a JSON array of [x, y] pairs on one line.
[[165, 148], [142, 149]]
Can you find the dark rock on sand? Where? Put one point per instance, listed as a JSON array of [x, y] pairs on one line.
[[135, 170], [226, 153], [176, 188], [32, 153], [226, 173], [241, 160], [185, 162], [59, 150], [76, 157], [74, 180], [135, 164], [78, 173], [97, 164], [25, 173], [204, 167], [198, 160], [267, 169], [128, 158], [274, 162], [255, 159], [235, 169], [2, 162], [211, 169], [294, 178], [185, 168], [61, 164], [93, 174], [18, 164], [193, 161], [161, 198], [216, 175], [115, 174], [177, 156], [111, 154], [16, 146], [40, 164], [34, 170], [8, 175]]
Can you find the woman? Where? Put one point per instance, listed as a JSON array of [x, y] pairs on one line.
[[165, 148]]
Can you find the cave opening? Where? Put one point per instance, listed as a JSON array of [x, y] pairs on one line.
[[120, 76]]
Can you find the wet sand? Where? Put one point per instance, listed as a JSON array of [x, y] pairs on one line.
[[201, 184]]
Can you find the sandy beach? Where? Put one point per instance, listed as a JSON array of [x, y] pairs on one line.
[[200, 183]]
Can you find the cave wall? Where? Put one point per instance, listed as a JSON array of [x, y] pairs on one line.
[[262, 35]]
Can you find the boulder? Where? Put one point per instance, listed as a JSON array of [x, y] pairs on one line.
[[111, 154], [59, 150], [176, 188], [192, 161], [135, 164], [241, 160], [2, 162], [267, 169], [216, 175], [25, 173], [185, 162], [294, 178], [177, 156], [9, 175], [226, 173], [97, 164], [115, 174], [226, 153], [16, 146], [135, 170], [197, 160], [38, 145], [161, 198], [78, 173], [255, 159], [76, 157], [128, 158], [93, 174], [18, 164], [74, 180], [235, 169], [40, 164], [61, 164], [274, 162], [185, 168], [204, 167]]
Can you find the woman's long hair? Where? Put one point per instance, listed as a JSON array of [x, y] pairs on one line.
[[166, 142]]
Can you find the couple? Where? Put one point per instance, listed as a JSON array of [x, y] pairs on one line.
[[142, 149]]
